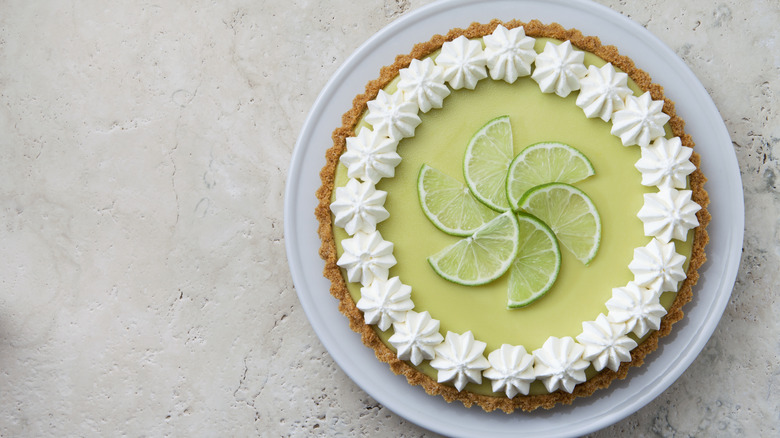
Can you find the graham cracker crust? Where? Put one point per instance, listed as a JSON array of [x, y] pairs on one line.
[[369, 337]]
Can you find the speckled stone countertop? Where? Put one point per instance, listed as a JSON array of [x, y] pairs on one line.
[[144, 149]]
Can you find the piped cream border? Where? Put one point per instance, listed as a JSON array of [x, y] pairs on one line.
[[328, 249]]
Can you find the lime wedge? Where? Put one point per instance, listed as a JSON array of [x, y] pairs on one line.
[[449, 204], [571, 215], [543, 163], [537, 264], [486, 163], [482, 257]]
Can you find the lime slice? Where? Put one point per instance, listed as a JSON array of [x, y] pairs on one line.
[[486, 163], [543, 163], [537, 264], [482, 257], [571, 215], [449, 204]]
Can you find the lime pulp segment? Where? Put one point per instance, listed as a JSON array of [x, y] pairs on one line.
[[449, 204], [482, 257], [543, 163], [537, 264], [486, 162], [570, 213]]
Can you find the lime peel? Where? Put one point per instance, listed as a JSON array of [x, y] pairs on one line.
[[537, 264], [486, 163], [570, 213], [449, 204], [482, 257], [542, 163]]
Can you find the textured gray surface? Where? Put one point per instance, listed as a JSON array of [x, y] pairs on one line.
[[143, 154]]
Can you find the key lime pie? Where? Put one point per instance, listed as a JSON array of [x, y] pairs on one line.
[[512, 215]]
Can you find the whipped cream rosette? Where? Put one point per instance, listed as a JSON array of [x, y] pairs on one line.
[[367, 257], [459, 359], [509, 53], [559, 69], [640, 121], [422, 83], [511, 370], [371, 156], [606, 343], [463, 62], [359, 207], [392, 115], [666, 163], [385, 302], [603, 91], [416, 337]]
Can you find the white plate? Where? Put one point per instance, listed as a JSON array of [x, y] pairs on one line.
[[676, 351]]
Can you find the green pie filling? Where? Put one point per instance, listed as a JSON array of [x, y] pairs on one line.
[[580, 292]]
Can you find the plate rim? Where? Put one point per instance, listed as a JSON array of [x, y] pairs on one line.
[[296, 203]]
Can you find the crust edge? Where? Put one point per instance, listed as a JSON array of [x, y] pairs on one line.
[[338, 289]]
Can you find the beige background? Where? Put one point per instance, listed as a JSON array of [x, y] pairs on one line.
[[144, 149]]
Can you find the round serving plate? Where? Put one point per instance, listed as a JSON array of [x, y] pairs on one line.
[[662, 367]]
